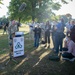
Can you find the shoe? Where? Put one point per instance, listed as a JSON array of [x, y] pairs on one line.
[[65, 59], [69, 59], [48, 46], [72, 59], [54, 57]]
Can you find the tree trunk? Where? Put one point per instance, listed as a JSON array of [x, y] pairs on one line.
[[19, 19], [33, 10]]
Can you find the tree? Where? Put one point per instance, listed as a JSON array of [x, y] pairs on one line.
[[4, 19], [36, 9], [1, 2], [69, 16]]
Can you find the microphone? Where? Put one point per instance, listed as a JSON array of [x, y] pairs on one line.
[[22, 7]]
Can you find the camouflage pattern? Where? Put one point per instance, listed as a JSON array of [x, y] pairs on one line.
[[12, 28]]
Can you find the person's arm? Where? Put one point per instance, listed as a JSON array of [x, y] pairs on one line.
[[34, 29], [65, 43], [49, 27], [31, 25]]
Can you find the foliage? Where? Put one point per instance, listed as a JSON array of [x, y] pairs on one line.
[[1, 3], [35, 9], [4, 19]]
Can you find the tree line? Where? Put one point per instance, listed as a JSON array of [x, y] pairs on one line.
[[39, 10]]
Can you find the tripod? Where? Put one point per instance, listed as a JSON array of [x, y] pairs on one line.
[[10, 55], [10, 59]]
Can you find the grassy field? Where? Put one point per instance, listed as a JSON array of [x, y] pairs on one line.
[[34, 62]]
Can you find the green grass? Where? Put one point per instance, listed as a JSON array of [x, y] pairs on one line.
[[35, 61]]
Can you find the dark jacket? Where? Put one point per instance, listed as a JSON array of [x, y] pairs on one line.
[[47, 29], [72, 33], [37, 32]]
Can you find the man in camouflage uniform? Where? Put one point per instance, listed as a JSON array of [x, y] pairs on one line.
[[12, 28]]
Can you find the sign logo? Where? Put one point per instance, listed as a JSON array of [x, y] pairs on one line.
[[18, 45]]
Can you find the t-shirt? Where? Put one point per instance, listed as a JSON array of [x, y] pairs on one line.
[[71, 47]]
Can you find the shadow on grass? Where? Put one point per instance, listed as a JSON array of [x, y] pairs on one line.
[[35, 62]]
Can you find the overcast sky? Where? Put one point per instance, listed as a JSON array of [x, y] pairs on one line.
[[3, 9], [67, 8]]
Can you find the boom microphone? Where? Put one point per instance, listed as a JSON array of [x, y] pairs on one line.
[[22, 7]]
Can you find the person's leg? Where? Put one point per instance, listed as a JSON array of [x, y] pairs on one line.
[[11, 46], [64, 49], [60, 43], [67, 55], [48, 41], [6, 31], [57, 43], [3, 32], [35, 39], [54, 43], [45, 39], [53, 39]]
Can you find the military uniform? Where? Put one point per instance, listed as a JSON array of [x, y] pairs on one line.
[[12, 28]]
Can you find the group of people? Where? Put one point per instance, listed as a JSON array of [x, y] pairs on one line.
[[57, 32], [40, 32], [43, 31], [69, 42]]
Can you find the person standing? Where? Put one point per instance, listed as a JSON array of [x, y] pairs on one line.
[[47, 34], [37, 35], [59, 35], [42, 25], [53, 28]]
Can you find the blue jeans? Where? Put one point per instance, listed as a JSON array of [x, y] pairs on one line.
[[53, 39], [58, 42], [47, 37], [36, 41]]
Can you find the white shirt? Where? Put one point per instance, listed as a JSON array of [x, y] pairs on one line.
[[68, 26]]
